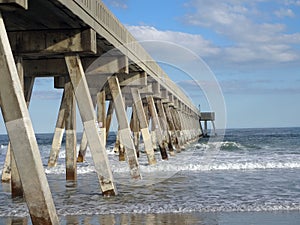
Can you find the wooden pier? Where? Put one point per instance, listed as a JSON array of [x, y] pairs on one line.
[[95, 60]]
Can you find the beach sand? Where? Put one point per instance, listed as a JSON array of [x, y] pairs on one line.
[[209, 218]]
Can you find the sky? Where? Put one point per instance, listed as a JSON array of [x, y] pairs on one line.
[[248, 48]]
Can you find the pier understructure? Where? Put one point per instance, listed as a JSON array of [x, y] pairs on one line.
[[102, 70]]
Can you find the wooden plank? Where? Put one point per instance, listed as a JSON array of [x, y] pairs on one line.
[[125, 134], [19, 128], [86, 110]]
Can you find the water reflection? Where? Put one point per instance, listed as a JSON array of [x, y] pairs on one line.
[[147, 219], [17, 221]]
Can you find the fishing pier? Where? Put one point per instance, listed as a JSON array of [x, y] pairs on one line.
[[103, 70]]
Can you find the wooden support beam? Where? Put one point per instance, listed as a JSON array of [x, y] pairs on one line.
[[41, 43], [70, 126], [19, 128], [158, 130], [143, 125], [86, 110], [125, 134], [58, 133]]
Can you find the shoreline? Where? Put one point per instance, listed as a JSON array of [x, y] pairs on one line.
[[194, 218]]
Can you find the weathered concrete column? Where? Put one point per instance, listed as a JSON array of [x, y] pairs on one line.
[[177, 124], [9, 172], [84, 141], [156, 124], [59, 132], [182, 130], [101, 115], [16, 184], [6, 172], [186, 127], [164, 125], [119, 146], [135, 128], [171, 124], [109, 115], [88, 117], [82, 148], [143, 125], [125, 134], [15, 181], [70, 125], [24, 145]]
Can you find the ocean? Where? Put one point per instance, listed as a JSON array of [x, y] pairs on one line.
[[251, 176]]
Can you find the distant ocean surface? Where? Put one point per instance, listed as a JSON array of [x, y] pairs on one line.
[[252, 176]]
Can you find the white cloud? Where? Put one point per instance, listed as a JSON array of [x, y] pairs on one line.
[[243, 86], [281, 13], [292, 2], [254, 38], [197, 43], [118, 3]]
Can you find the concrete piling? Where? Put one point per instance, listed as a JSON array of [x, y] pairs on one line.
[[58, 133], [124, 129], [71, 140], [139, 109], [43, 49], [158, 129], [85, 106], [22, 138]]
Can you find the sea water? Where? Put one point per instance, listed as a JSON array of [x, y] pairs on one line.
[[251, 173]]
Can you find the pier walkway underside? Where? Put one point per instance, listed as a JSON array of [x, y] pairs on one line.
[[103, 70]]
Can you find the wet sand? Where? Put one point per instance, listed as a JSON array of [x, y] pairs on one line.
[[209, 218]]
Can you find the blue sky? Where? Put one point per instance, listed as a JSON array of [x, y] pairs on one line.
[[252, 47]]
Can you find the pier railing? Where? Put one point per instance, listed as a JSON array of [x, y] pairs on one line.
[[97, 10]]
